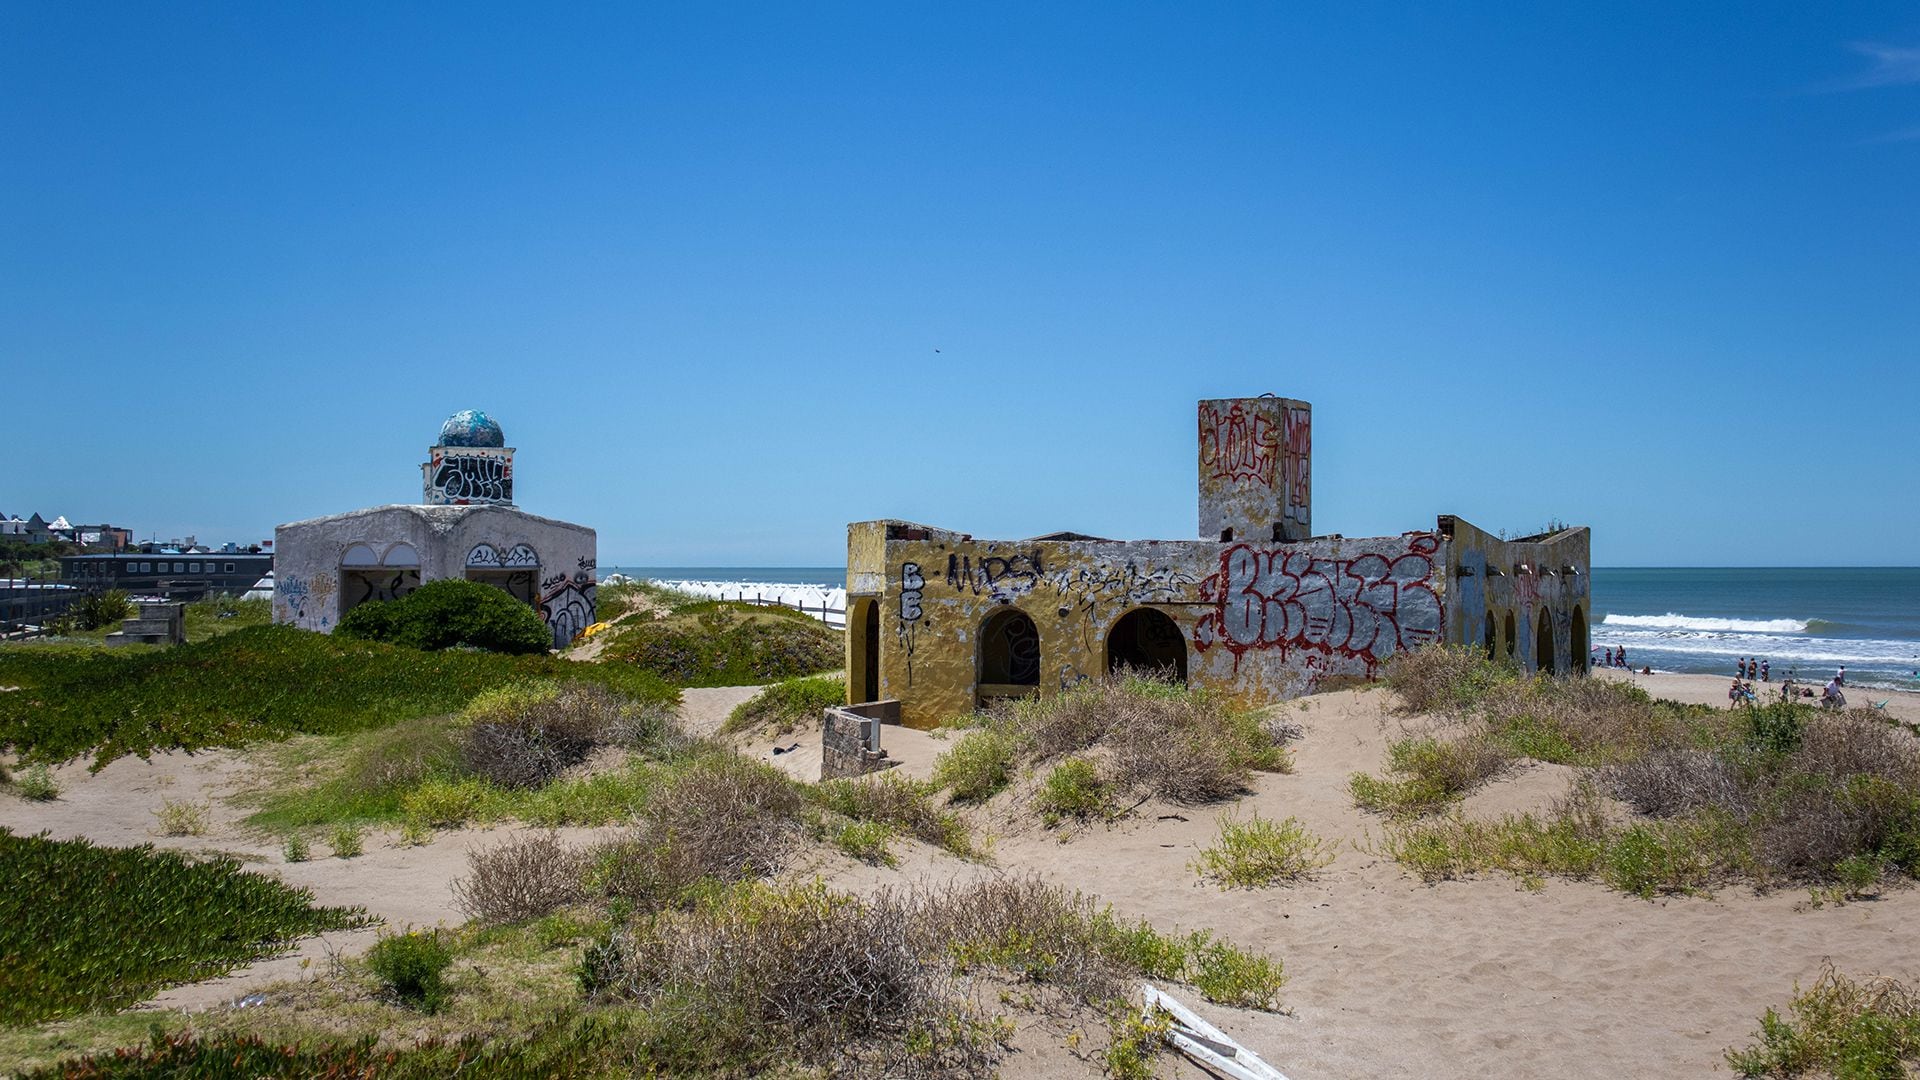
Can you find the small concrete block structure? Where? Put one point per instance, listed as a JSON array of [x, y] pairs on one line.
[[154, 622], [850, 739], [465, 527], [1258, 608]]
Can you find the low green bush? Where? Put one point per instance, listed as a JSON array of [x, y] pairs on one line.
[[411, 968], [1259, 851], [85, 927], [1074, 789], [97, 611], [891, 799], [449, 612], [1841, 1027], [787, 704], [866, 841], [726, 644], [977, 766]]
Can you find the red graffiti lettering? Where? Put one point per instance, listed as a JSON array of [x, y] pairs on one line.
[[1238, 446]]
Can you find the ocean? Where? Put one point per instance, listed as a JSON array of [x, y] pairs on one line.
[[1804, 621]]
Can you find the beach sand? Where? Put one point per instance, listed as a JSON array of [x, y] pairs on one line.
[[1712, 690], [1389, 977]]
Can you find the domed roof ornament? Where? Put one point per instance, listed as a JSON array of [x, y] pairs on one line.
[[471, 427]]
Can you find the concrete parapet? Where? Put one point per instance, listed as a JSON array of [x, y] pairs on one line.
[[850, 739]]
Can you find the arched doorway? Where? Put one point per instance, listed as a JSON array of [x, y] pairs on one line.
[[364, 577], [863, 637], [1579, 651], [1149, 642], [1492, 638], [1513, 639], [1009, 663], [515, 570], [1543, 646]]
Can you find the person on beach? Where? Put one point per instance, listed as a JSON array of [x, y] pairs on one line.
[[1840, 677], [1766, 672], [1832, 698], [1742, 673], [1622, 654], [1646, 670]]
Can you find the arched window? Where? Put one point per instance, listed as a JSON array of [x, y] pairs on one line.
[[1543, 646], [1492, 639], [1579, 651], [359, 555], [1512, 639], [863, 639], [1009, 655], [400, 555], [1149, 642]]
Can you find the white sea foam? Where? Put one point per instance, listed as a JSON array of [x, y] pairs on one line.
[[1672, 621], [808, 598]]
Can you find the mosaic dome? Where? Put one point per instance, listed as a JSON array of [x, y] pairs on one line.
[[471, 427]]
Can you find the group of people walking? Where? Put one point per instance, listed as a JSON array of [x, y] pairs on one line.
[[1751, 669]]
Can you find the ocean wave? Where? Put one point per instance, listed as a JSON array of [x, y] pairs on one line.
[[1672, 621]]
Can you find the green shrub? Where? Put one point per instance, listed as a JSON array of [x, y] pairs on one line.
[[347, 842], [96, 611], [787, 704], [449, 612], [1433, 773], [1840, 1028], [37, 784], [1445, 678], [295, 849], [449, 804], [1232, 976], [258, 683], [892, 799], [977, 766], [411, 967], [866, 841], [88, 928], [1259, 852], [1074, 789], [727, 644]]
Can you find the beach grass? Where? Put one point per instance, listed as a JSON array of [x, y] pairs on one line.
[[787, 704], [724, 643]]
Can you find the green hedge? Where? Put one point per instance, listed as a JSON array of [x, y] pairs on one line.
[[449, 612], [258, 683]]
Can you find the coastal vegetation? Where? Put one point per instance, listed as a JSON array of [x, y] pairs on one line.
[[1259, 851], [723, 643], [787, 704], [1841, 1027], [1666, 798], [262, 682], [1109, 740], [447, 613], [85, 927]]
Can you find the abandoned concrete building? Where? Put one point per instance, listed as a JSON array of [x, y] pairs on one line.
[[1259, 608], [465, 526]]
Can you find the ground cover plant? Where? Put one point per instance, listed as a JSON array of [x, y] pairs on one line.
[[1133, 738], [787, 704], [1767, 794], [890, 803], [1841, 1027], [716, 643], [263, 682], [507, 754], [1259, 851], [85, 927], [448, 612]]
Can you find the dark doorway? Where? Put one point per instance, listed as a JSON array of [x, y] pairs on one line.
[[1491, 639], [867, 658], [1543, 646], [1513, 639], [1149, 642], [1009, 654]]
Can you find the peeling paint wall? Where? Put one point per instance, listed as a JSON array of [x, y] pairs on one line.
[[1535, 590], [325, 566]]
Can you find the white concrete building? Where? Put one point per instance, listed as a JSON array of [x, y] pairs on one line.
[[466, 527]]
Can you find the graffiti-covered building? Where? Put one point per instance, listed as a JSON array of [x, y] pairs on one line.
[[1258, 608], [465, 526]]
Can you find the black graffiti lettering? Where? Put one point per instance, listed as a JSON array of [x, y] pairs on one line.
[[473, 478]]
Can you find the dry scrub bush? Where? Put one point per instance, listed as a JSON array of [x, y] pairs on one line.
[[520, 879], [524, 736], [398, 757], [1581, 721], [1672, 781], [1445, 679], [891, 799], [1840, 1027], [719, 817]]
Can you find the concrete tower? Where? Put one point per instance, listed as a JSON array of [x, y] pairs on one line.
[[1255, 473], [472, 464]]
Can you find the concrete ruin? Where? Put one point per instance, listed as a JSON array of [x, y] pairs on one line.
[[465, 526], [1259, 609]]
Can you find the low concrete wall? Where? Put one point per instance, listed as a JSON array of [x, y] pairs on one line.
[[850, 739]]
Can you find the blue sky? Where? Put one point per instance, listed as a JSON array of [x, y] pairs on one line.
[[1655, 269]]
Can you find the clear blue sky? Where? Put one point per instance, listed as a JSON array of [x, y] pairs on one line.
[[1655, 269]]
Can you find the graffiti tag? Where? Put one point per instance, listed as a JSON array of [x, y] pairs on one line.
[[1237, 446]]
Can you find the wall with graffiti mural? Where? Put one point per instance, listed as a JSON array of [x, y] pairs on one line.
[[462, 475], [1263, 610], [1256, 469], [324, 566]]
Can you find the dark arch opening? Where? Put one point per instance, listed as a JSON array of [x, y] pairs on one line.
[[863, 667], [1543, 646], [1149, 642], [1491, 634], [1513, 638], [1579, 650], [1009, 650]]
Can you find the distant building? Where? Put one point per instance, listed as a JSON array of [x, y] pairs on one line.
[[465, 526], [179, 575], [1258, 609], [38, 530]]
